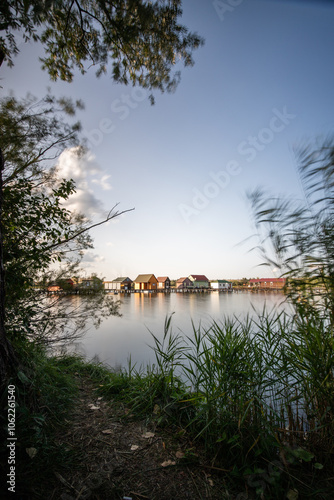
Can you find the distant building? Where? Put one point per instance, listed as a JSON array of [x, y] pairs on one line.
[[182, 283], [90, 284], [86, 282], [63, 284], [53, 287], [163, 283], [120, 284], [199, 281], [221, 285], [273, 283], [146, 282]]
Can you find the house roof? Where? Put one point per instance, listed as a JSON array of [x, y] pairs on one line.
[[219, 281], [198, 277], [144, 278], [181, 280], [266, 280], [120, 280], [162, 278]]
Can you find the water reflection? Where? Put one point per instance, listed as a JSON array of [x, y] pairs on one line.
[[119, 338]]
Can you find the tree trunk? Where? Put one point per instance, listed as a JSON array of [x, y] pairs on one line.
[[2, 56], [8, 360]]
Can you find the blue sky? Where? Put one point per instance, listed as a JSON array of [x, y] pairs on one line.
[[262, 84]]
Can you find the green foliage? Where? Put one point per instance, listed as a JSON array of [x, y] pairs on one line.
[[44, 395], [35, 131], [156, 390], [38, 231], [296, 236], [76, 365], [33, 222], [143, 40], [93, 284], [247, 390], [237, 389]]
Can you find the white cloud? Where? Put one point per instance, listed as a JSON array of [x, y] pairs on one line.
[[103, 182], [78, 166], [85, 171], [86, 202], [90, 257]]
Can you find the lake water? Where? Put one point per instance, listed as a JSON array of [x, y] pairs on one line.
[[118, 338]]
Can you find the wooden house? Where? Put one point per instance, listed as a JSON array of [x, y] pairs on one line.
[[267, 283], [54, 287], [61, 285], [146, 282], [183, 283], [90, 284], [107, 286], [163, 283], [86, 283], [221, 285], [199, 281], [122, 284]]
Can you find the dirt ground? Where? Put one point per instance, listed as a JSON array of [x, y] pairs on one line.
[[122, 459]]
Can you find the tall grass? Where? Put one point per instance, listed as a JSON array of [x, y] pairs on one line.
[[250, 392], [263, 381], [243, 388], [44, 395]]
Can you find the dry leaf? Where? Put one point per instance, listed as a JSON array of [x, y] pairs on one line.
[[179, 454], [292, 495], [134, 447], [93, 407], [167, 462], [211, 483], [107, 431], [31, 452], [148, 435], [156, 409]]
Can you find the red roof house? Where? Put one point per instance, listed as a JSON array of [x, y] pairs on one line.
[[274, 283]]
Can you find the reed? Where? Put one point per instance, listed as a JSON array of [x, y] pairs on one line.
[[243, 387], [256, 394]]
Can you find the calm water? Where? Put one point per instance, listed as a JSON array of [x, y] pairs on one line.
[[118, 338]]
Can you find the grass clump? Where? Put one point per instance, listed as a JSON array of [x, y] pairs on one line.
[[43, 397], [256, 394], [46, 391]]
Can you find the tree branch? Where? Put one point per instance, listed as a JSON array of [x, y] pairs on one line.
[[108, 218]]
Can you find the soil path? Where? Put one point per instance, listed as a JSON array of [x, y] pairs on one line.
[[117, 458]]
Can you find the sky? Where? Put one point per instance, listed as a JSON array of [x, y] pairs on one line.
[[262, 85]]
